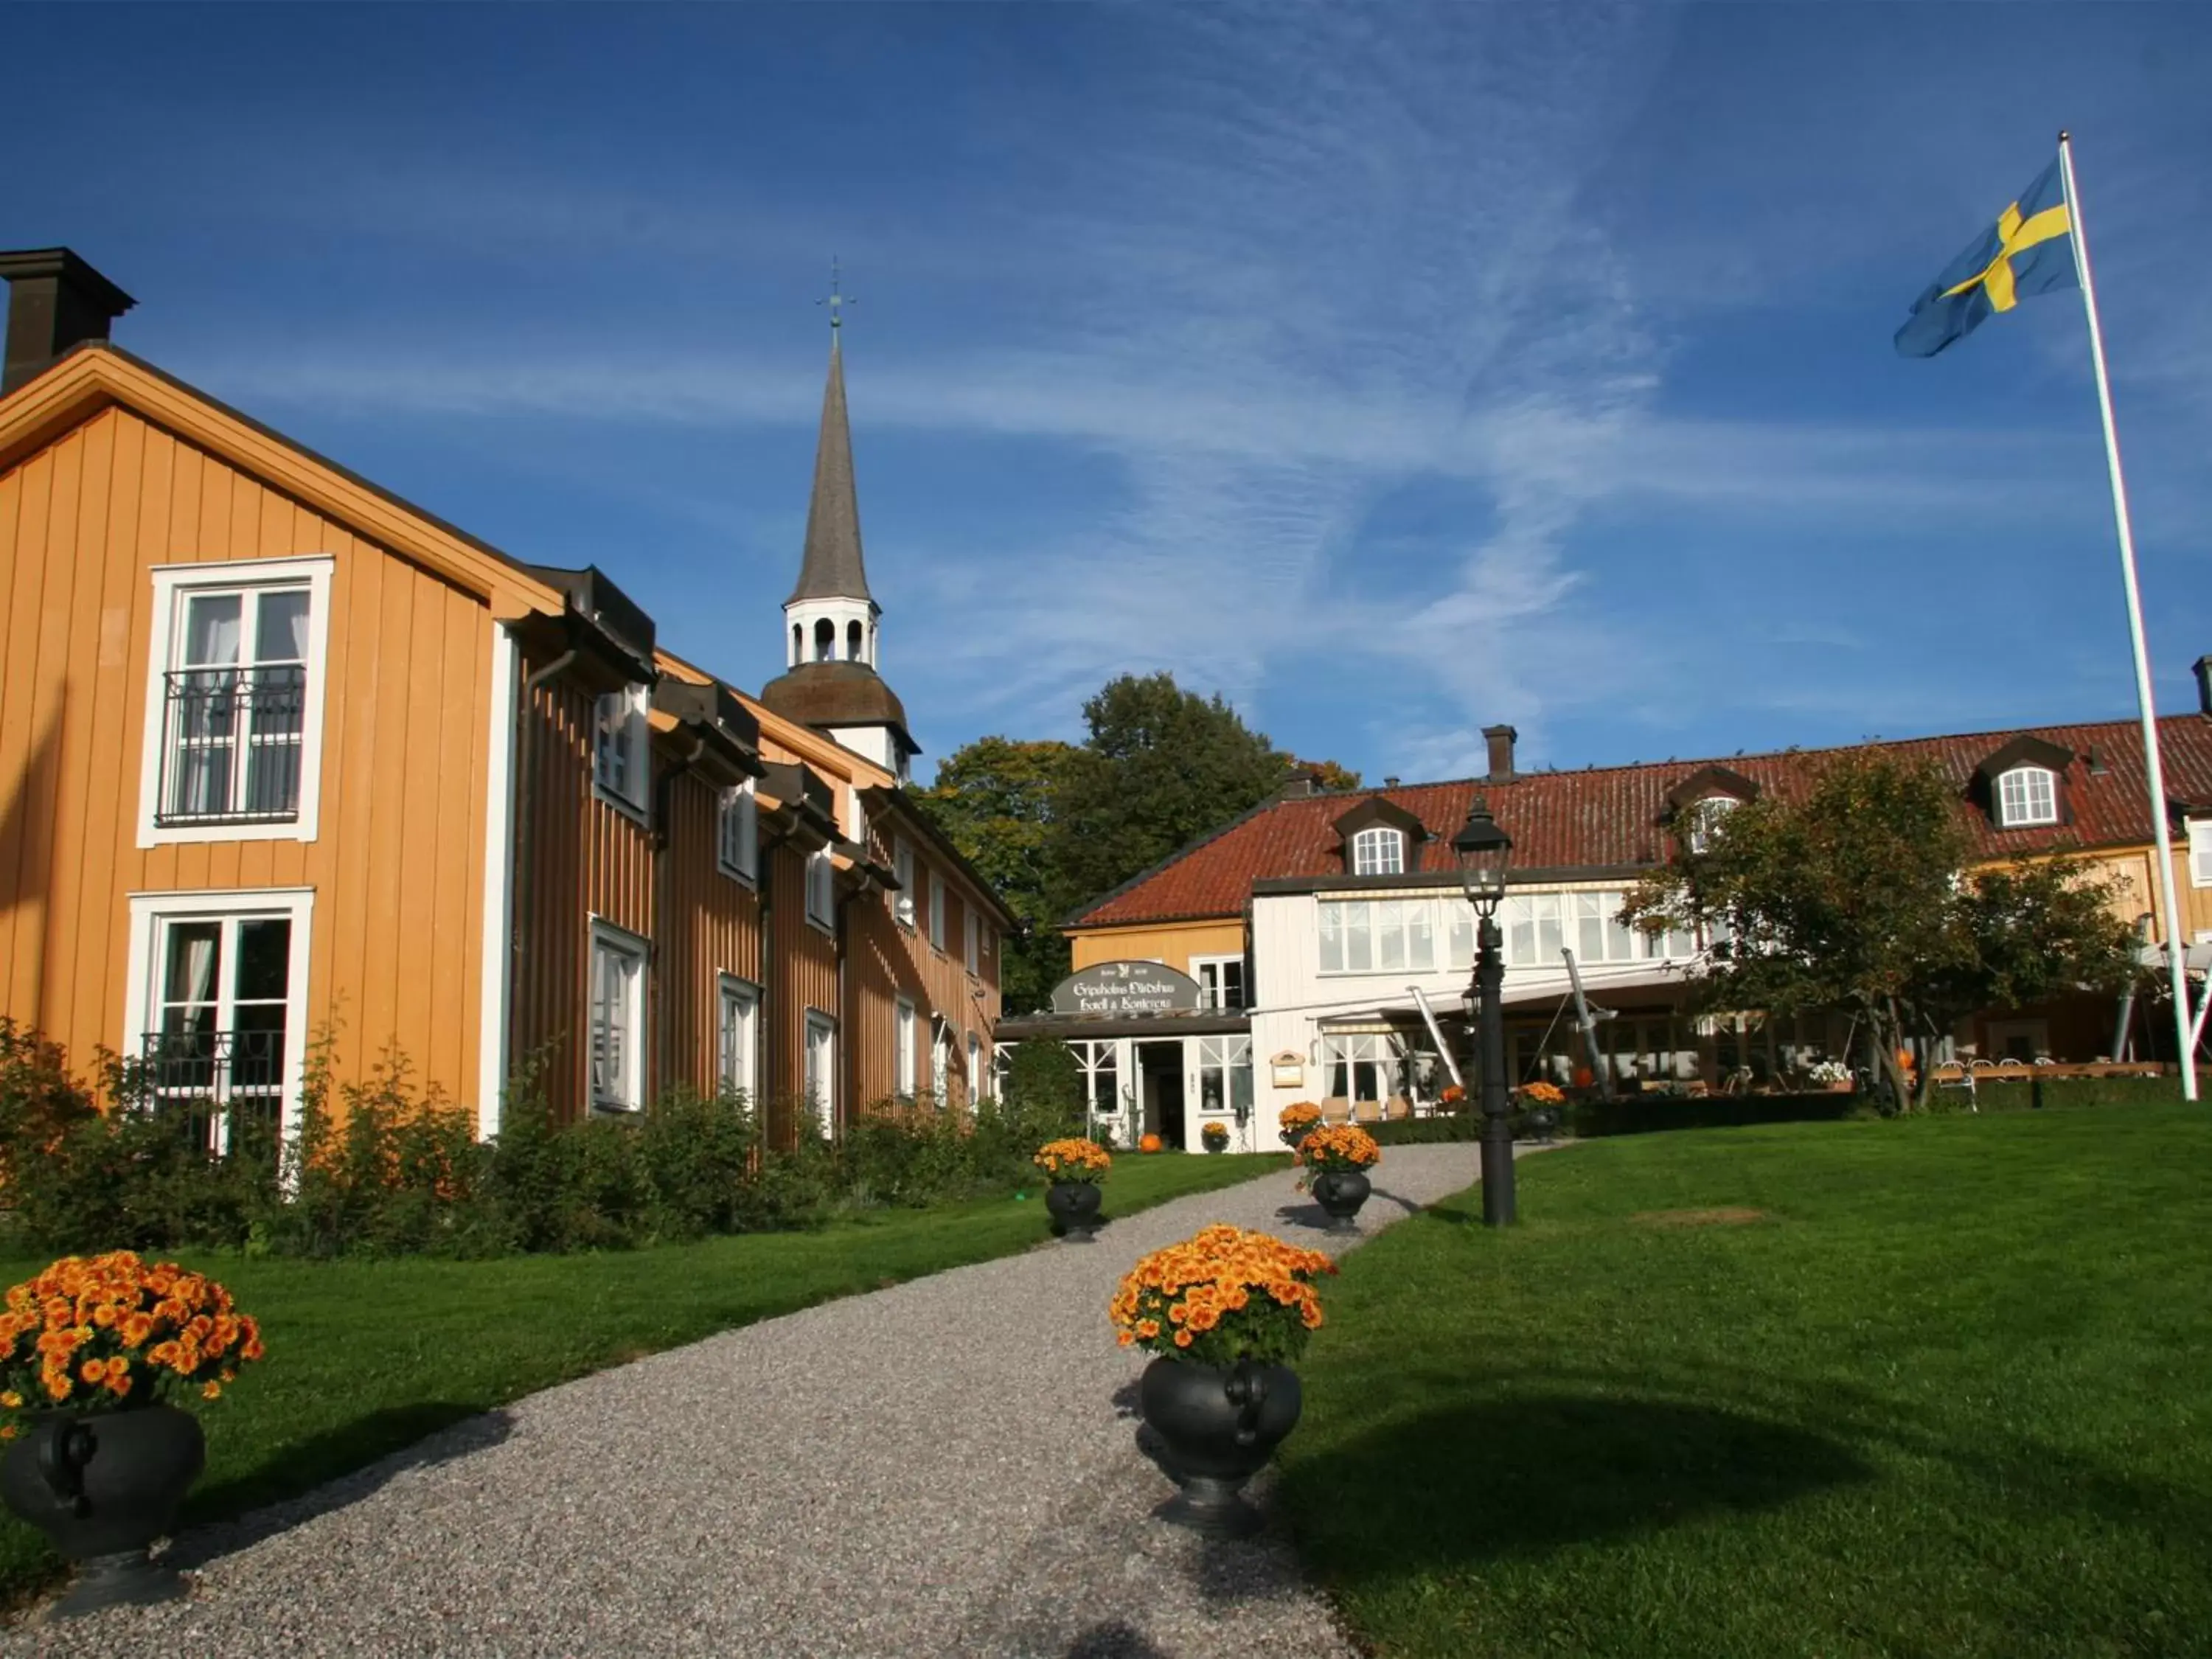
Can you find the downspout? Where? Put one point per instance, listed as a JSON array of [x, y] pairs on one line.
[[664, 789], [526, 811]]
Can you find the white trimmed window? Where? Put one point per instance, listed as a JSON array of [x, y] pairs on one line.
[[1379, 852], [902, 871], [1358, 1066], [2027, 795], [737, 1033], [972, 938], [1365, 936], [618, 748], [1537, 925], [217, 998], [234, 701], [1221, 981], [1704, 820], [1224, 1074], [978, 1078], [2200, 852], [822, 1071], [940, 1061], [618, 1014], [936, 911], [738, 843], [904, 1066], [821, 890]]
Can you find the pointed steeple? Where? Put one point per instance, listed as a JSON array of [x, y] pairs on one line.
[[831, 568]]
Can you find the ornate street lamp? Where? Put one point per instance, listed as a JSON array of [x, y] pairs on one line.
[[1483, 850]]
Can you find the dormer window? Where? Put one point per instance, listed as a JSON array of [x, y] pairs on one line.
[[619, 747], [1703, 822], [1379, 852], [2026, 795]]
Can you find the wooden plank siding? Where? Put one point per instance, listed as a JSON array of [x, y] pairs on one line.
[[803, 975], [890, 960], [396, 865], [709, 927]]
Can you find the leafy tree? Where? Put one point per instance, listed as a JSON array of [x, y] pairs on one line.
[[1329, 775], [993, 798], [1162, 766], [1858, 895]]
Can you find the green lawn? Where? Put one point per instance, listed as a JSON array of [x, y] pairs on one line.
[[1949, 1395], [368, 1357]]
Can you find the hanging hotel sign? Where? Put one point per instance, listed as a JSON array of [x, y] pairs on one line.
[[1125, 988]]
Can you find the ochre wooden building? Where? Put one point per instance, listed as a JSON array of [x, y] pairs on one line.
[[281, 754]]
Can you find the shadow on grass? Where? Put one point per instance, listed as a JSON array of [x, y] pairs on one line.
[[325, 1472], [1525, 1475]]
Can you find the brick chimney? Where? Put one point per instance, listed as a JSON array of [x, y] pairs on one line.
[[55, 302], [1500, 739], [2205, 685]]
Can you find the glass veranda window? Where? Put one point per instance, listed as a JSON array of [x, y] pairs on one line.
[[235, 703]]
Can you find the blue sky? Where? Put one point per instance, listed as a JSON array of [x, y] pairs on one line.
[[1393, 372]]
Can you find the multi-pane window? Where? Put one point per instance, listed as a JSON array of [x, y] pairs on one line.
[[972, 939], [2200, 853], [618, 746], [738, 848], [1225, 1075], [1221, 981], [617, 1020], [1101, 1078], [1704, 820], [822, 1071], [940, 1061], [1537, 925], [821, 890], [737, 1033], [234, 701], [936, 911], [2026, 795], [1379, 852], [976, 1077], [1358, 1066], [1363, 936], [218, 1049], [902, 871], [903, 1055]]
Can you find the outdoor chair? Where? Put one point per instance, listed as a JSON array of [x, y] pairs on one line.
[[1336, 1110], [1367, 1112], [1397, 1107]]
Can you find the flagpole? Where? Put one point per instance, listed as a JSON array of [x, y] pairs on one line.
[[2154, 769]]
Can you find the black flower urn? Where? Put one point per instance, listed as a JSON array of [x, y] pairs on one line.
[[1074, 1205], [103, 1486], [1341, 1193], [1216, 1429]]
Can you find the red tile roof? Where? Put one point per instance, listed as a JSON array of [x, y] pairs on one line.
[[1612, 817]]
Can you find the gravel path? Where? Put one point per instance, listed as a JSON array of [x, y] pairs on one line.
[[949, 1466]]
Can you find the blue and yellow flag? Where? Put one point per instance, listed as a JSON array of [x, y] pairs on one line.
[[2027, 251]]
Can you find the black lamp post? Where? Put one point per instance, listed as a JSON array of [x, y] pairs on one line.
[[1483, 850]]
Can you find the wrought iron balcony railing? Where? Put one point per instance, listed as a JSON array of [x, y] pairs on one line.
[[231, 740], [226, 1087]]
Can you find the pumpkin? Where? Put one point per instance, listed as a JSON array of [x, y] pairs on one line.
[[1149, 1143]]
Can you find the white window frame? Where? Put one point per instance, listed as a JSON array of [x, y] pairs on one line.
[[1379, 850], [736, 839], [821, 890], [940, 1061], [1206, 971], [1400, 935], [2028, 816], [173, 584], [1703, 817], [605, 937], [636, 741], [821, 1072], [902, 904], [936, 911], [150, 912], [1227, 1060], [978, 1074], [2200, 852], [906, 1074], [736, 1042], [972, 938]]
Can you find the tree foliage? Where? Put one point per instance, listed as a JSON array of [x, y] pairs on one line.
[[1858, 895]]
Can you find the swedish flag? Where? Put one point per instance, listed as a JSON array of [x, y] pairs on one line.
[[2029, 251]]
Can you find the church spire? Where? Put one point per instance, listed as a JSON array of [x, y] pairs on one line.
[[831, 567]]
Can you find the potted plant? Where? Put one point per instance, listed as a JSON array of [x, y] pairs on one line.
[[1542, 1102], [91, 1351], [1337, 1157], [1226, 1313], [1832, 1075], [1453, 1099], [1297, 1121], [1074, 1169], [1215, 1137]]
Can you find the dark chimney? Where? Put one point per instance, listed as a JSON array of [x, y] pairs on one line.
[[1390, 783], [1296, 787], [55, 302], [2205, 685], [1500, 739]]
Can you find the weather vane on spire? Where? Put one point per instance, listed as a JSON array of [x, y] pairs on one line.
[[837, 301]]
